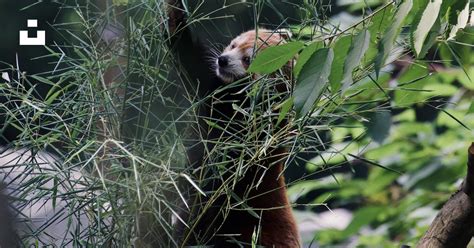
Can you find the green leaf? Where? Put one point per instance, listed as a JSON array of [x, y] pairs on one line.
[[356, 52], [427, 20], [456, 117], [471, 109], [334, 155], [430, 39], [54, 92], [435, 88], [362, 217], [312, 80], [386, 44], [379, 125], [44, 80], [466, 79], [285, 108], [411, 83], [120, 2], [374, 163], [423, 173], [273, 58], [418, 8], [354, 6], [378, 181], [461, 20], [341, 48], [378, 24], [305, 55], [454, 9]]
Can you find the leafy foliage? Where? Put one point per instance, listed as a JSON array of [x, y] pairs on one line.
[[424, 135], [350, 108]]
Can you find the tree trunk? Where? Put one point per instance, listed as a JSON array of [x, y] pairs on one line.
[[454, 224]]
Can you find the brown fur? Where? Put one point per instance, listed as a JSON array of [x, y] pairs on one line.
[[278, 226], [265, 38]]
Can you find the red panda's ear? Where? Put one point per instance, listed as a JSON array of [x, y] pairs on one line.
[[284, 33]]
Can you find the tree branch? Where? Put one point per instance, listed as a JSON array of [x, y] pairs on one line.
[[454, 224], [8, 236]]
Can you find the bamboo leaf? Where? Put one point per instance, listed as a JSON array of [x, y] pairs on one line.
[[305, 55], [285, 108], [193, 184], [430, 39], [356, 52], [471, 109], [379, 125], [362, 217], [312, 80], [273, 58], [386, 44], [461, 22], [340, 48], [453, 10], [428, 19]]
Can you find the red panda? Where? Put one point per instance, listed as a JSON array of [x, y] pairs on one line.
[[234, 61], [278, 226], [270, 222]]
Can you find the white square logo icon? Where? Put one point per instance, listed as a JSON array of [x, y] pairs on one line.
[[40, 38]]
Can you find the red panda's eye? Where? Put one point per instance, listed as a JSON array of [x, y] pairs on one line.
[[246, 60], [232, 46]]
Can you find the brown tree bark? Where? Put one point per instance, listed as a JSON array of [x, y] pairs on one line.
[[454, 224]]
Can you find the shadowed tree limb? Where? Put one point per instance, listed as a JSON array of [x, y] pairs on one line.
[[8, 236], [454, 224]]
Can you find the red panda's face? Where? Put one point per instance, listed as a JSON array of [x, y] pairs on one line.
[[234, 61]]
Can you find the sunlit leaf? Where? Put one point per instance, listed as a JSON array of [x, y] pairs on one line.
[[362, 217], [411, 83], [421, 174], [471, 109], [466, 80], [386, 44], [378, 181], [428, 19], [461, 22], [378, 24], [430, 39], [454, 9]]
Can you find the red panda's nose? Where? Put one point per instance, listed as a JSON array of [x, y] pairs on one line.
[[223, 61]]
